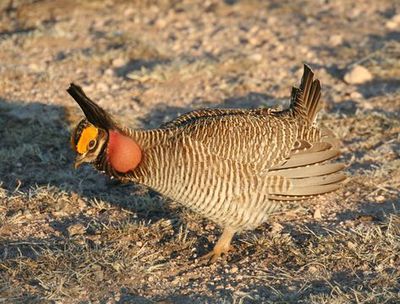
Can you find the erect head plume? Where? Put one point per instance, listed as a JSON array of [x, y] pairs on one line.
[[98, 140], [93, 112]]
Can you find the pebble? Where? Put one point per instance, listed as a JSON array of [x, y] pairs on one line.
[[34, 67], [234, 269], [358, 75], [317, 214], [118, 62], [356, 95], [128, 12], [109, 72], [393, 23], [336, 40], [256, 57], [254, 41], [161, 23]]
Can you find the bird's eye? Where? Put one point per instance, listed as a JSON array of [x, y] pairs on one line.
[[92, 144]]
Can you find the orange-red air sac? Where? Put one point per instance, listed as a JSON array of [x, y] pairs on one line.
[[123, 152]]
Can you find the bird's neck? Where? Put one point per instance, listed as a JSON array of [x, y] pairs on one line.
[[123, 152]]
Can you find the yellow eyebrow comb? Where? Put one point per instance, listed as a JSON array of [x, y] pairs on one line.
[[87, 135]]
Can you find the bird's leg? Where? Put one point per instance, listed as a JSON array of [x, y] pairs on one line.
[[221, 247]]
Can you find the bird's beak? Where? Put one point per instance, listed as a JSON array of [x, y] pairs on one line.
[[79, 160]]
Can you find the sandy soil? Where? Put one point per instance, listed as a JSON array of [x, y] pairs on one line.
[[71, 236]]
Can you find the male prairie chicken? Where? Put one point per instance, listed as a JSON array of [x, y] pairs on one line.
[[232, 166]]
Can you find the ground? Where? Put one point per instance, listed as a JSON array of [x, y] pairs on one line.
[[69, 236]]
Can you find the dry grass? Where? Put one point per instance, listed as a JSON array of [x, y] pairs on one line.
[[74, 236]]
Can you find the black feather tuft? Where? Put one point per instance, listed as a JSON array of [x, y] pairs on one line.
[[94, 113]]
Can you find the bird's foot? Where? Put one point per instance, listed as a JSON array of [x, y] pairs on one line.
[[222, 247], [215, 254]]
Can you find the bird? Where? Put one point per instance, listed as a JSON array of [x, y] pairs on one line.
[[233, 166]]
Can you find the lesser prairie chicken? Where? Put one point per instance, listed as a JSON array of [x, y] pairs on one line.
[[232, 166]]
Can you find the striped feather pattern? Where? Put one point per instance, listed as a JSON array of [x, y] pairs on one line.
[[236, 166]]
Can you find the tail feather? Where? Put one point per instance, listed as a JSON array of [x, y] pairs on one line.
[[305, 100], [299, 188], [299, 183], [308, 171], [304, 193], [310, 158]]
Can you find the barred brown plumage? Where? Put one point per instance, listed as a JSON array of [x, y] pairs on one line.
[[232, 166]]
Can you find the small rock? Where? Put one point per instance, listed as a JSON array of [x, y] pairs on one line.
[[254, 29], [393, 23], [255, 40], [234, 269], [161, 23], [317, 214], [357, 75], [380, 198], [109, 72], [34, 67], [118, 62], [76, 229], [256, 57], [272, 20], [128, 12], [367, 105], [356, 95], [336, 40]]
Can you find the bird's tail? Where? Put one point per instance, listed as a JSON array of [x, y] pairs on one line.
[[305, 100]]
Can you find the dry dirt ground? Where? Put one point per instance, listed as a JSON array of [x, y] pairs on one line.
[[71, 236]]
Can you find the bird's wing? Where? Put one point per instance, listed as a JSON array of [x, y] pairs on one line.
[[195, 115], [256, 140], [270, 160], [303, 175]]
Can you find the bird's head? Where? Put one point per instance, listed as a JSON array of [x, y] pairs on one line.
[[97, 139], [88, 141]]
